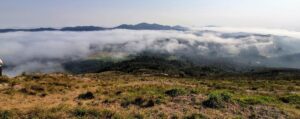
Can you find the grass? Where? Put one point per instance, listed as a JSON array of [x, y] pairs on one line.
[[218, 99], [86, 96], [175, 92], [121, 95], [255, 100], [80, 112], [196, 116], [292, 99]]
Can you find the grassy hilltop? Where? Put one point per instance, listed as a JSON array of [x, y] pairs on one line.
[[152, 87], [123, 95]]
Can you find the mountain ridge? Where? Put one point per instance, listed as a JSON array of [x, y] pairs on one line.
[[140, 26]]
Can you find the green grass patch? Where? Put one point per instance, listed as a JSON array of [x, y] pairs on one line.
[[255, 100], [292, 99], [81, 112], [175, 92], [218, 99]]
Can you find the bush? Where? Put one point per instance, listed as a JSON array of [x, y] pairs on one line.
[[150, 103], [217, 99], [107, 114], [93, 113], [196, 116], [145, 103], [86, 96], [5, 114], [139, 101], [138, 116], [174, 92], [34, 90], [125, 103], [4, 79], [80, 112], [292, 99]]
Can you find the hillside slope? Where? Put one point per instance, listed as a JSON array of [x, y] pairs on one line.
[[123, 95]]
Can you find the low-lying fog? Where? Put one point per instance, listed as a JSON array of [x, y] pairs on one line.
[[45, 51]]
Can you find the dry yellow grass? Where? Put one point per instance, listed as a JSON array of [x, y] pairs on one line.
[[118, 95]]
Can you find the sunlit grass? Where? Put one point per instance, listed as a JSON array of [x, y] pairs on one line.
[[121, 95]]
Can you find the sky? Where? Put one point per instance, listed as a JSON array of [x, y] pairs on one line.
[[282, 14]]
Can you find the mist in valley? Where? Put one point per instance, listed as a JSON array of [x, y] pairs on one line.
[[46, 51]]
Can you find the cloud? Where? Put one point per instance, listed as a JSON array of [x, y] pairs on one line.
[[278, 32], [45, 51]]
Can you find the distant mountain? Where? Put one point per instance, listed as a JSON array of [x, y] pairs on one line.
[[40, 29], [146, 26], [141, 26], [27, 30], [83, 28]]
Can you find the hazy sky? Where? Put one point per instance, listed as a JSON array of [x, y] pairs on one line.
[[57, 13]]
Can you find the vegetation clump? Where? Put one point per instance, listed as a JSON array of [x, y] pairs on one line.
[[175, 92], [139, 101], [93, 113], [218, 99], [34, 90], [255, 100], [86, 96], [196, 116], [292, 99], [5, 114], [4, 79]]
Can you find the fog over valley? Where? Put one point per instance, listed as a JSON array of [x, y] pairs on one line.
[[46, 51]]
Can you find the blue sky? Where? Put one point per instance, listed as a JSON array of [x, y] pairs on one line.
[[242, 13]]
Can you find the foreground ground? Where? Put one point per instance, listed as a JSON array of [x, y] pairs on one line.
[[120, 95]]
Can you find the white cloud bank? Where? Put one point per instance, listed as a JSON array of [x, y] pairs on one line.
[[45, 51]]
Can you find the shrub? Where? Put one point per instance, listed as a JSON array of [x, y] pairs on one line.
[[196, 116], [174, 92], [217, 99], [174, 117], [139, 101], [5, 114], [143, 102], [297, 107], [150, 103], [194, 91], [80, 112], [292, 99], [107, 114], [162, 116], [138, 116], [125, 103], [93, 113], [86, 96], [4, 79]]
